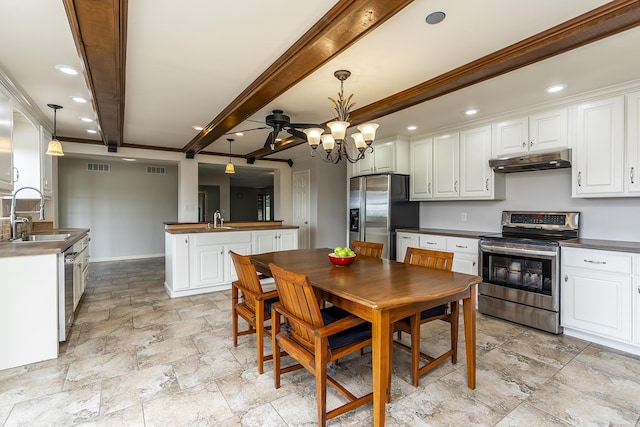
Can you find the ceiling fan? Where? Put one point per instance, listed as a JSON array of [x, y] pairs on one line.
[[279, 122]]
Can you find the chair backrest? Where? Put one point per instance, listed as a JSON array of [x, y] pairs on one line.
[[300, 303], [247, 276], [441, 260], [369, 249]]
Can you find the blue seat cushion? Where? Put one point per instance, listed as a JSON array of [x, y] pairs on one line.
[[351, 335], [435, 311], [268, 303]]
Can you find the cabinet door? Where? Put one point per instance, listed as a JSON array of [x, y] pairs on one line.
[[465, 263], [366, 166], [404, 241], [6, 157], [548, 130], [599, 148], [384, 158], [597, 302], [230, 273], [177, 261], [421, 159], [632, 169], [431, 241], [475, 174], [446, 161], [511, 137], [287, 240], [207, 265], [264, 241]]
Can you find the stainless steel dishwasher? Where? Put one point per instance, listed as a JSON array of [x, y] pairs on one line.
[[65, 291]]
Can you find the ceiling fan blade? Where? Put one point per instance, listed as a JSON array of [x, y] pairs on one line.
[[296, 132], [304, 125]]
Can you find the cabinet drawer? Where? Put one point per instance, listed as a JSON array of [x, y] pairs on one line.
[[614, 262], [461, 244], [430, 241], [221, 237]]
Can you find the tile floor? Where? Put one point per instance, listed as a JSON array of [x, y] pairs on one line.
[[137, 358]]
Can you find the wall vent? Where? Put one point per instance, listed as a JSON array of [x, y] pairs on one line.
[[158, 170], [98, 167]]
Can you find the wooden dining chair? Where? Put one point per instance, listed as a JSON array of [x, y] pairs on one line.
[[250, 302], [440, 260], [314, 337], [369, 249]]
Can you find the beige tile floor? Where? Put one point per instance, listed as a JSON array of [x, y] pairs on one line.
[[138, 358]]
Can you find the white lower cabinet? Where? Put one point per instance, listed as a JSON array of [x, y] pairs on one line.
[[197, 263], [275, 240], [597, 297], [636, 300], [465, 250]]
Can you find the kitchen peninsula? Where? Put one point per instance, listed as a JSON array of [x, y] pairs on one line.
[[197, 254]]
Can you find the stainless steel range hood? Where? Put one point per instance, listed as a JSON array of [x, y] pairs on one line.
[[532, 162]]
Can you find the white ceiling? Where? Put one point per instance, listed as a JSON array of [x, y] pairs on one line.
[[186, 61]]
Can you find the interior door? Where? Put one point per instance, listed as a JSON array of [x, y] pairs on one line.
[[301, 207]]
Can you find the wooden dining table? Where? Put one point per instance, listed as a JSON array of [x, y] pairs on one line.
[[382, 292]]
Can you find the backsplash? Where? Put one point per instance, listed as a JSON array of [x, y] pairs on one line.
[[5, 229]]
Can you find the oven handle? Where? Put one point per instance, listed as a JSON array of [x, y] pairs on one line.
[[519, 251]]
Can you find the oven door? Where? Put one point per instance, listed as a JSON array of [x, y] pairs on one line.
[[526, 275]]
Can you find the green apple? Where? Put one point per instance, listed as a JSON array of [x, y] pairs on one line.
[[337, 250]]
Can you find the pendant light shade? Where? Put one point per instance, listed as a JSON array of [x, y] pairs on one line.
[[230, 168], [55, 147]]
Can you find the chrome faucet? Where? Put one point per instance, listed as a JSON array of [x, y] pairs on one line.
[[217, 218], [14, 219]]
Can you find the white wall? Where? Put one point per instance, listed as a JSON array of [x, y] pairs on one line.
[[125, 208], [609, 219]]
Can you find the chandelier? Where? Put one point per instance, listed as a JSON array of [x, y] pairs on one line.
[[335, 144]]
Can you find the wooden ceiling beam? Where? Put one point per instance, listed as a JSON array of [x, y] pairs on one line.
[[341, 27], [607, 20], [99, 29]]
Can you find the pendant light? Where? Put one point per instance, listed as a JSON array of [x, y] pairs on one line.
[[230, 168], [54, 148]]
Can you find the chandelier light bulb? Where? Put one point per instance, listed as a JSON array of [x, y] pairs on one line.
[[338, 129], [313, 136], [328, 142], [368, 132], [359, 140]]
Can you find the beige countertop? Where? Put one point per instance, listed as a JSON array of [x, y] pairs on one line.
[[10, 249], [207, 227], [604, 245], [469, 234]]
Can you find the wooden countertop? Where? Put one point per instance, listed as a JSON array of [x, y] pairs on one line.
[[10, 249], [604, 245], [469, 234]]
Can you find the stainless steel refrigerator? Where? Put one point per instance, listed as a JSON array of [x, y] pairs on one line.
[[378, 205]]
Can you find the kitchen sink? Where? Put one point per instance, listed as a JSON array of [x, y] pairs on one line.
[[45, 237]]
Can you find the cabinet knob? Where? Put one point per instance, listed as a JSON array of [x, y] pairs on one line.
[[429, 188], [524, 144], [632, 177], [486, 185], [639, 289], [455, 186], [186, 240], [17, 174], [579, 179], [530, 143], [566, 278]]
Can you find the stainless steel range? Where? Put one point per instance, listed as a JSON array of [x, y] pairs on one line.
[[520, 268]]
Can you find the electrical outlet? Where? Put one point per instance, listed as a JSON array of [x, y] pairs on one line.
[[463, 217]]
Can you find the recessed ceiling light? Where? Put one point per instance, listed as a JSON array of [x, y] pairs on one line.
[[92, 131], [435, 17], [86, 119], [471, 111], [67, 69], [239, 134], [556, 88], [126, 159], [198, 128], [78, 99], [412, 127]]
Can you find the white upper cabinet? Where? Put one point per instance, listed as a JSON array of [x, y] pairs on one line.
[[476, 177], [446, 166], [389, 156], [539, 132], [27, 156], [421, 163], [632, 170], [6, 157], [598, 158]]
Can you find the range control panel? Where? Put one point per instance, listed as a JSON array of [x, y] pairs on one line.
[[550, 220]]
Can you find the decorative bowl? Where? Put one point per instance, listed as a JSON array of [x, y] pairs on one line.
[[341, 260]]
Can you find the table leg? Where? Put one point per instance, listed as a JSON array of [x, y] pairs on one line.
[[380, 348], [469, 311]]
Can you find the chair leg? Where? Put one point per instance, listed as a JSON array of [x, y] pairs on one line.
[[321, 382], [415, 348], [455, 307], [275, 321], [260, 335], [234, 314]]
